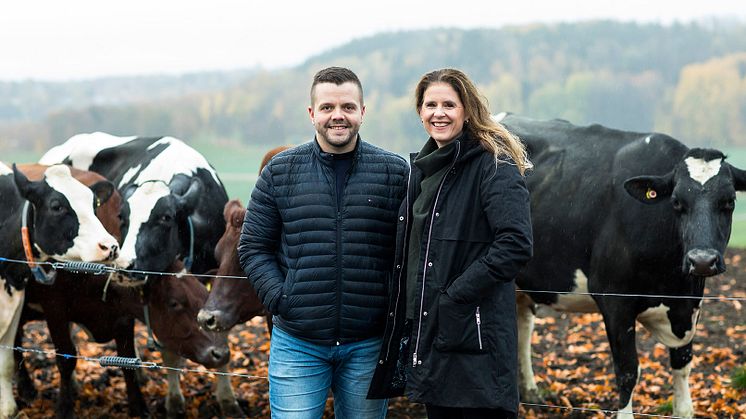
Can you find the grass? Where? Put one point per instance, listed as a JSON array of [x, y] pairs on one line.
[[665, 408], [738, 378]]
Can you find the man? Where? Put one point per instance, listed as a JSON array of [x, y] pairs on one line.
[[317, 244]]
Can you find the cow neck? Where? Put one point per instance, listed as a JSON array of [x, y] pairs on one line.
[[40, 275], [153, 343]]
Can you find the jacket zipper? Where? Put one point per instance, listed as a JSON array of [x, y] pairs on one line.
[[427, 254], [338, 203], [401, 269], [479, 329]]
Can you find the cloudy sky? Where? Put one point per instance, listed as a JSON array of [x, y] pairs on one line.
[[77, 39]]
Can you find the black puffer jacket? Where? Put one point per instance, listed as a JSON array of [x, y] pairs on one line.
[[323, 270], [460, 350]]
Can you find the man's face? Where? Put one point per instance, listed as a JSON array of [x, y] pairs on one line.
[[337, 113]]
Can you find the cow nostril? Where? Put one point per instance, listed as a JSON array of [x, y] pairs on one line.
[[219, 354]]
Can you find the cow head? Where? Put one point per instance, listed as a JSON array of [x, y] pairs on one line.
[[64, 225], [231, 300], [701, 193], [157, 230], [174, 301]]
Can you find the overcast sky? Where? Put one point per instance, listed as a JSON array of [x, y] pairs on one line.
[[77, 39]]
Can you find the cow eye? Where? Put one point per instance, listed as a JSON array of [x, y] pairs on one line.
[[56, 207], [174, 304], [728, 204], [166, 218]]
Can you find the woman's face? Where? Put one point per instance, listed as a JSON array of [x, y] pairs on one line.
[[442, 113]]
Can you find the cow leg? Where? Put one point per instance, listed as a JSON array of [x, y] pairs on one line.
[[681, 359], [125, 340], [527, 385], [175, 403], [620, 330], [60, 333], [225, 395], [10, 316], [24, 384]]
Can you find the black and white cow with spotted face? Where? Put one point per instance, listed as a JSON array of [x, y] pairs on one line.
[[620, 212], [61, 225], [173, 196]]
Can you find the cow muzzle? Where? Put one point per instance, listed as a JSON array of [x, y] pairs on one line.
[[703, 262], [209, 319]]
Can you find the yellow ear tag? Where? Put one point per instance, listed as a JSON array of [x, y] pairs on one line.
[[651, 194]]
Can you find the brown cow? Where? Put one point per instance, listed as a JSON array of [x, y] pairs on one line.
[[233, 300], [173, 302]]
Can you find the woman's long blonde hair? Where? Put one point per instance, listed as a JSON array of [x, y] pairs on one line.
[[492, 135]]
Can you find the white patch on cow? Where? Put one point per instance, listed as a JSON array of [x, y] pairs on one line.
[[93, 243], [525, 319], [682, 399], [177, 158], [701, 170], [655, 320], [577, 303], [5, 170], [500, 116], [10, 314], [128, 175], [626, 411], [141, 202], [647, 139], [82, 148]]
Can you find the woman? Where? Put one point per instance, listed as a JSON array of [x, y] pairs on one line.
[[464, 234]]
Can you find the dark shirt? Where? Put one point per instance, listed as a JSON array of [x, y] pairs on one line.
[[341, 163]]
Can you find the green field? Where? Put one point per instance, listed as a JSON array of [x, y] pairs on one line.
[[238, 167]]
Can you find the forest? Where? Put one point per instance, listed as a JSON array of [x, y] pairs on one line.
[[687, 80]]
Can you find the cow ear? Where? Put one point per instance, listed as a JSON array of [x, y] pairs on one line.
[[188, 202], [102, 191], [739, 178], [29, 190], [650, 189]]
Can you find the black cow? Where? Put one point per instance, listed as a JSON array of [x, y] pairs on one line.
[[61, 225], [624, 213], [167, 185]]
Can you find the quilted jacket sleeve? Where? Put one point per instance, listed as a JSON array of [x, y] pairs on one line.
[[260, 238]]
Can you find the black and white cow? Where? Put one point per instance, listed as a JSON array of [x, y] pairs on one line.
[[61, 225], [620, 212], [167, 185]]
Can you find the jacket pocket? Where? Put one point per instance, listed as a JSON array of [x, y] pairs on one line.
[[460, 327], [287, 286]]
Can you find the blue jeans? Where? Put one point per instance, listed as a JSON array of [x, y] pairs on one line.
[[301, 374]]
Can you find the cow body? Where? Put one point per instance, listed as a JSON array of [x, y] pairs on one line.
[[166, 185], [61, 225], [617, 212], [108, 311]]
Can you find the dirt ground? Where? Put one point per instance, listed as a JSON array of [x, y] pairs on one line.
[[571, 359]]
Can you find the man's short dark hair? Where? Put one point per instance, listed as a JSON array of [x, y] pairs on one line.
[[338, 76]]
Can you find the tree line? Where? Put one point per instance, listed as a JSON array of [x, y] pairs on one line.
[[688, 80]]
